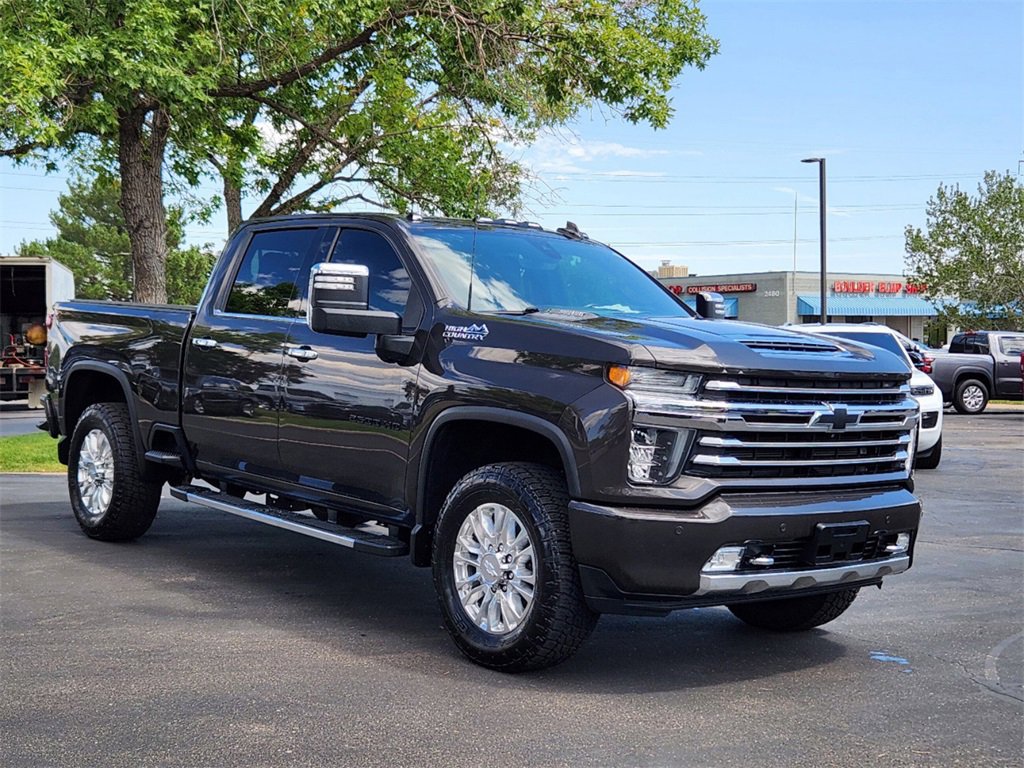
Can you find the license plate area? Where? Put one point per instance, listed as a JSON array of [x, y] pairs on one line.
[[836, 543]]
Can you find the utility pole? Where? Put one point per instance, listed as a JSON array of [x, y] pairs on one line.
[[821, 217], [795, 197]]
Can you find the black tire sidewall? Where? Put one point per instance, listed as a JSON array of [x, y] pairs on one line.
[[134, 497], [488, 491]]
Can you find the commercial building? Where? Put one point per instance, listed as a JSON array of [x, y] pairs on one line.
[[777, 298]]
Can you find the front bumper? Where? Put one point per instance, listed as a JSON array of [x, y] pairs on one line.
[[649, 561]]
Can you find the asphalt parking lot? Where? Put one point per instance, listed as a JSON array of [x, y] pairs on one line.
[[214, 641]]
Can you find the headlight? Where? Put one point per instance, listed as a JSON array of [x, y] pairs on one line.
[[653, 380], [922, 390], [654, 453]]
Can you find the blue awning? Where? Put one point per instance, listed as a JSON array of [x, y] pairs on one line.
[[867, 306], [732, 305]]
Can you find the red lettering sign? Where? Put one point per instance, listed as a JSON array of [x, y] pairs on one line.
[[890, 287], [852, 286], [917, 288], [723, 288]]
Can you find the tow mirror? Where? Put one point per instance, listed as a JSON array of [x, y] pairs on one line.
[[339, 302], [710, 305]]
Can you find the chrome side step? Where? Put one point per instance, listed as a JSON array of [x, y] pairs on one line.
[[354, 538]]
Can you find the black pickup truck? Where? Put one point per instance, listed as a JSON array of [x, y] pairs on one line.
[[525, 411]]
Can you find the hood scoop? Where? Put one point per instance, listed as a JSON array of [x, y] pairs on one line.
[[789, 346]]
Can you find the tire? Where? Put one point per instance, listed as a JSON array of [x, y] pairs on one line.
[[794, 614], [553, 623], [971, 396], [110, 498], [931, 461]]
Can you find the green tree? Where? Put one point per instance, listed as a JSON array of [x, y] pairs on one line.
[[970, 256], [92, 241], [313, 102]]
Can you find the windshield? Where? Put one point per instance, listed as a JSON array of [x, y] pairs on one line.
[[884, 340], [517, 271], [1011, 345]]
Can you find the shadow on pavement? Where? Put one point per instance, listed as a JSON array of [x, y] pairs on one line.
[[211, 569]]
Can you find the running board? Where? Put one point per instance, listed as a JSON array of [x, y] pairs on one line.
[[353, 538]]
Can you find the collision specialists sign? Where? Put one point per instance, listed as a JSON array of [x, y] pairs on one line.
[[723, 288]]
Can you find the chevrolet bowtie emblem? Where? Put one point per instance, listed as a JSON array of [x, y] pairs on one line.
[[835, 417]]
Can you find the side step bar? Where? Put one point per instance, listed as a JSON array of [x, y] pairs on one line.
[[354, 538]]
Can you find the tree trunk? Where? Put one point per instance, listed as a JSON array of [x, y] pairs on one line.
[[233, 203], [141, 152]]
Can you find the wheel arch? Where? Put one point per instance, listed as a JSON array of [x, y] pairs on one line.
[[89, 382], [511, 436]]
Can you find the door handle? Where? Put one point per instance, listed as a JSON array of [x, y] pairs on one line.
[[301, 353], [205, 343]]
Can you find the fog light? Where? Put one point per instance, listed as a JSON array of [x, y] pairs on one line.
[[725, 559], [654, 454], [901, 545]]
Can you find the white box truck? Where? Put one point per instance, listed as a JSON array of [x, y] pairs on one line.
[[29, 287]]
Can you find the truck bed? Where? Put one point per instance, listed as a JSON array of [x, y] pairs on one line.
[[142, 341]]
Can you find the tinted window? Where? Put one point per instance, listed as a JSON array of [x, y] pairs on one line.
[[389, 280], [1011, 345], [271, 278]]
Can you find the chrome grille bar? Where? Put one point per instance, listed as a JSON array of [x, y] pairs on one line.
[[732, 461], [719, 385], [735, 442]]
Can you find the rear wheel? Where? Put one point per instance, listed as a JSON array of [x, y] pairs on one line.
[[971, 396], [795, 614], [506, 579], [110, 498]]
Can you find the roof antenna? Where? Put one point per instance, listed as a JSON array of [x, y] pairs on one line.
[[571, 231]]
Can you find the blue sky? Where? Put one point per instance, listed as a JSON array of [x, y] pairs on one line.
[[898, 96]]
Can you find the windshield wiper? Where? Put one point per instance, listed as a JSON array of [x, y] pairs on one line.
[[523, 311]]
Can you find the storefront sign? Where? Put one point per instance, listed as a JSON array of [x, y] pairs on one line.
[[722, 288], [890, 288]]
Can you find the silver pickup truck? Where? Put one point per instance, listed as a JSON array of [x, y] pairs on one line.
[[979, 365]]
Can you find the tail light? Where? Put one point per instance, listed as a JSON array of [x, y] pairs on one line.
[[927, 367]]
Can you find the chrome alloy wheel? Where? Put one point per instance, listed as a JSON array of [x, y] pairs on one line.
[[973, 398], [96, 472], [495, 570]]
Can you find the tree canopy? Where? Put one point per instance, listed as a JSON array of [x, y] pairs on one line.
[[312, 103], [970, 254], [92, 241]]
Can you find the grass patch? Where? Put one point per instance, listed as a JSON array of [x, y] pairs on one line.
[[29, 453]]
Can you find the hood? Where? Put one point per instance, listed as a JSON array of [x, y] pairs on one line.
[[721, 345]]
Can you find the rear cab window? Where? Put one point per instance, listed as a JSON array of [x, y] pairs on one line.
[[272, 278]]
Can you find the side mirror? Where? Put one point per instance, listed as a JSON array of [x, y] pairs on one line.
[[339, 302], [710, 305]]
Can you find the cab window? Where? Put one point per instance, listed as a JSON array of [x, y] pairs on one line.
[[389, 280], [272, 278]]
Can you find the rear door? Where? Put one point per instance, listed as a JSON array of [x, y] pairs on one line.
[[345, 425], [1006, 351], [232, 378]]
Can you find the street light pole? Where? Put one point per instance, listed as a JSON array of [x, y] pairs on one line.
[[821, 217]]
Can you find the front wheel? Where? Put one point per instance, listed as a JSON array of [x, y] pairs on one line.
[[971, 396], [795, 614], [111, 499], [505, 575]]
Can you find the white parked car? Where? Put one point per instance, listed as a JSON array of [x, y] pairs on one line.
[[928, 396]]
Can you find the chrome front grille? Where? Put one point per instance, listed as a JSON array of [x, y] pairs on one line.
[[798, 454], [758, 389], [752, 431]]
